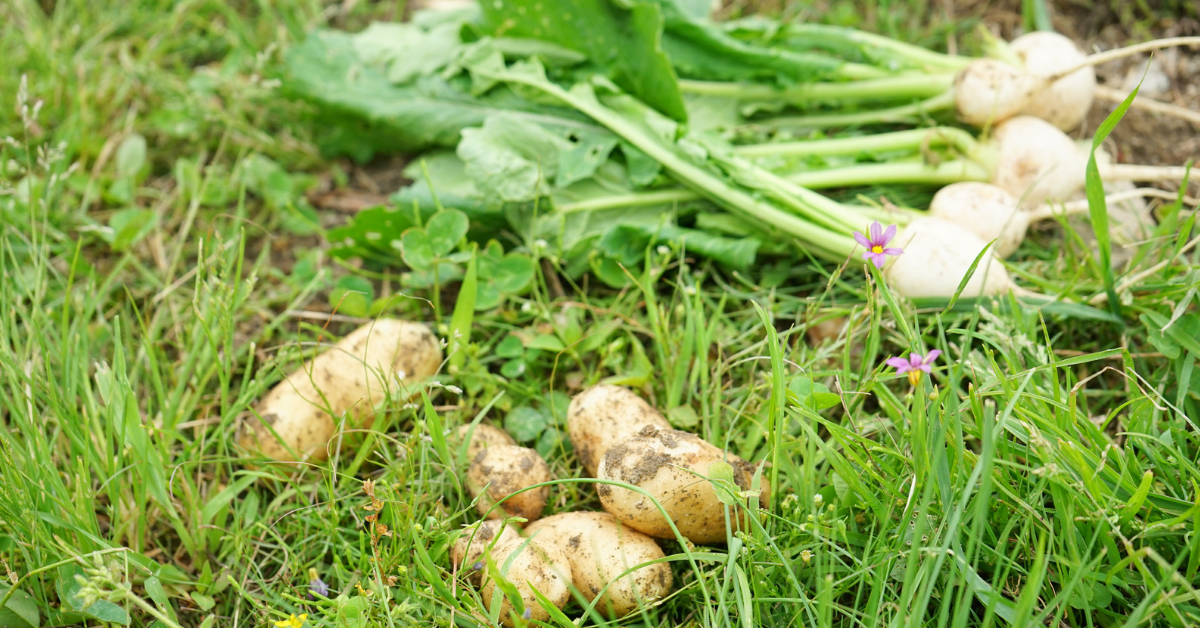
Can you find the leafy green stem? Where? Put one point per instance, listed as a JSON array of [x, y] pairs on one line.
[[908, 172], [905, 86], [903, 113]]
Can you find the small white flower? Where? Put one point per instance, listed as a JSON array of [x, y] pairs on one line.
[[663, 249], [540, 244], [527, 307], [409, 406], [689, 290], [817, 499], [454, 389]]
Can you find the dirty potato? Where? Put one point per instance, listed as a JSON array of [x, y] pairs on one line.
[[500, 471], [600, 549], [473, 540], [672, 466], [602, 416], [538, 566], [482, 436], [298, 417]]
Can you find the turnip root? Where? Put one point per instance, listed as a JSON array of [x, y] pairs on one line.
[[987, 211], [1064, 101], [937, 255], [991, 213], [297, 418], [989, 91], [1036, 161]]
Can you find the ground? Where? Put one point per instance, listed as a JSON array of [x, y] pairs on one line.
[[151, 291]]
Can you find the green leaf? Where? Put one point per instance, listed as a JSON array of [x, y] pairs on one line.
[[683, 417], [463, 316], [589, 149], [21, 611], [513, 369], [720, 473], [1160, 340], [445, 230], [131, 157], [511, 158], [269, 181], [203, 601], [1097, 204], [627, 243], [361, 112], [627, 40], [525, 423], [510, 347], [129, 226], [546, 342], [68, 591], [416, 248], [407, 50], [155, 590], [352, 295], [814, 395]]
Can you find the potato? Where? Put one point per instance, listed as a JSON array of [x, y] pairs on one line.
[[360, 371], [504, 470], [600, 548], [484, 436], [538, 566], [468, 551], [602, 416], [669, 465]]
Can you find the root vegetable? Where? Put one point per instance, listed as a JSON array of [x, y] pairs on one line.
[[937, 255], [482, 436], [602, 416], [501, 470], [600, 548], [987, 211], [989, 91], [473, 540], [672, 466], [538, 566], [1064, 101], [300, 415]]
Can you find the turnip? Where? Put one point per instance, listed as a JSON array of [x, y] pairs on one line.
[[937, 255], [1054, 81], [991, 213]]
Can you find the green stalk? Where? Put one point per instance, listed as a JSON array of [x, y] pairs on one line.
[[830, 244], [912, 139], [630, 200], [910, 172], [915, 54], [905, 113], [905, 86]]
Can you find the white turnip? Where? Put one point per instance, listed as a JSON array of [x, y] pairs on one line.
[[937, 255], [1064, 101]]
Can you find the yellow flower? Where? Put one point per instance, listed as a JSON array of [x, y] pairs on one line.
[[292, 621]]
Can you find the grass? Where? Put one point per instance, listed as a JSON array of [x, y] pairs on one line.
[[1045, 475]]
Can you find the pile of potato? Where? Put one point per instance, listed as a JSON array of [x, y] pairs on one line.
[[617, 436]]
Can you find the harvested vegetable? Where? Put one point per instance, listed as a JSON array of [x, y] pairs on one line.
[[600, 549], [937, 255], [673, 467], [474, 540], [297, 418], [604, 415], [535, 565], [502, 470], [481, 437], [1064, 101]]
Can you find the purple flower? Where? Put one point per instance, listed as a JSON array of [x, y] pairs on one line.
[[316, 586], [527, 614], [877, 244], [914, 365]]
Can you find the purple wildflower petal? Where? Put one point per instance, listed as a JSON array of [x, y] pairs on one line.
[[893, 250], [932, 355], [876, 231], [914, 359], [889, 234], [528, 613], [928, 368], [900, 364], [862, 239], [879, 259]]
